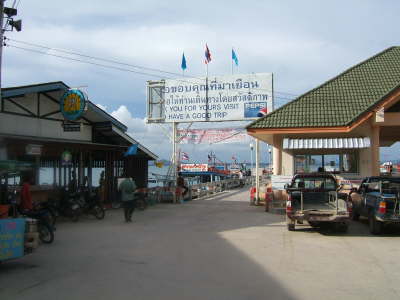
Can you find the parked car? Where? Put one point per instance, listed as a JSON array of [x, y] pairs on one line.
[[377, 198], [315, 198]]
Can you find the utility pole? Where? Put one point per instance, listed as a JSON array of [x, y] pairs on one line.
[[1, 42], [12, 24]]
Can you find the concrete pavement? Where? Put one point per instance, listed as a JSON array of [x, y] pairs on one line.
[[219, 248]]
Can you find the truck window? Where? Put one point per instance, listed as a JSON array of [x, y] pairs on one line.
[[315, 183]]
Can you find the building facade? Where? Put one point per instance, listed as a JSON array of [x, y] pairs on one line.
[[340, 125]]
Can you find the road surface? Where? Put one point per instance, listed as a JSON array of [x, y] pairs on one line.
[[219, 248]]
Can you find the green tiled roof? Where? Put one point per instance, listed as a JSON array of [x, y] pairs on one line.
[[343, 99]]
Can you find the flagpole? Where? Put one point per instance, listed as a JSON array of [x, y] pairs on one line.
[[231, 61]]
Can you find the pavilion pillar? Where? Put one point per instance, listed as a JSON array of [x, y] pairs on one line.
[[375, 157], [277, 155]]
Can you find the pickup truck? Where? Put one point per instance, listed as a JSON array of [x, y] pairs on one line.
[[377, 198], [315, 198]]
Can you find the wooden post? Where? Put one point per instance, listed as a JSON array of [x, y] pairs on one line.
[[90, 174], [54, 173], [256, 200]]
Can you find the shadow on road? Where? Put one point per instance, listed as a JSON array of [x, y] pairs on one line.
[[168, 252]]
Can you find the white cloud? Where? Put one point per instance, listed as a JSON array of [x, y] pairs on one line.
[[302, 43]]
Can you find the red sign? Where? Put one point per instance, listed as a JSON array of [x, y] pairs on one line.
[[194, 167]]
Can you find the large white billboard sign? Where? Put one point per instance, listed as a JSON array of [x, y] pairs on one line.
[[212, 136], [216, 98]]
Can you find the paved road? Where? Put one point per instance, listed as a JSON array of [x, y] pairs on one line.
[[220, 248]]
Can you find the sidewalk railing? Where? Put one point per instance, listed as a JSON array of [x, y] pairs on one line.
[[195, 191]]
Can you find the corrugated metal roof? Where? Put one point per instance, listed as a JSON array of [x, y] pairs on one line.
[[56, 86], [327, 143]]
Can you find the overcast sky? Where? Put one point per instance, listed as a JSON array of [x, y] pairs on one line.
[[304, 43]]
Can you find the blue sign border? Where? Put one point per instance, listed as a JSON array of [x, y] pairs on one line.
[[75, 115]]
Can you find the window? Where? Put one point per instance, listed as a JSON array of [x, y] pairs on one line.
[[314, 183], [343, 163]]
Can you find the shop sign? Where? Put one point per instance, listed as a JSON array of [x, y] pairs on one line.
[[66, 158], [32, 149], [73, 104], [12, 233], [71, 127], [194, 167]]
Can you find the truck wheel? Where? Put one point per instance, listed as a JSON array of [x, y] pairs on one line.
[[291, 226], [375, 227], [341, 227], [355, 216]]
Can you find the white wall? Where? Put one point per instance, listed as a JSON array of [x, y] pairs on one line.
[[27, 126]]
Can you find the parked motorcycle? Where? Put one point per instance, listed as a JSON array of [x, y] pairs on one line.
[[51, 207], [90, 204], [69, 205], [45, 229]]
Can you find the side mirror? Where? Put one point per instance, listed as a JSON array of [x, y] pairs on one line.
[[286, 186]]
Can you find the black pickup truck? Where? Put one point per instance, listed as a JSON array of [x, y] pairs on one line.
[[315, 198], [377, 198]]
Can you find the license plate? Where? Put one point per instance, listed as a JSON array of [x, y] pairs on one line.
[[317, 218], [75, 206]]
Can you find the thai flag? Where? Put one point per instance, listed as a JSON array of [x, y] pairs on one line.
[[185, 156], [263, 112], [208, 55]]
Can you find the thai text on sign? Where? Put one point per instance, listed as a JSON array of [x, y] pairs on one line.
[[11, 238], [194, 167], [220, 98]]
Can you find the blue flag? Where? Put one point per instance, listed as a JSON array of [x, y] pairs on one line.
[[183, 64], [234, 57], [132, 150]]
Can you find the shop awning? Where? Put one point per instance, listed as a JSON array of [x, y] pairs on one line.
[[327, 143]]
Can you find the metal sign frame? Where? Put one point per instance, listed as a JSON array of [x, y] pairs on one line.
[[239, 97]]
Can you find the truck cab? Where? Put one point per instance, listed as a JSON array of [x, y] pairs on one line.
[[377, 198]]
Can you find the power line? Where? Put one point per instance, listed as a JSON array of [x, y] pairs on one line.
[[82, 61], [116, 62], [94, 57], [277, 98]]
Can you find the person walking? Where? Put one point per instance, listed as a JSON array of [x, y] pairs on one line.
[[180, 182], [128, 188]]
